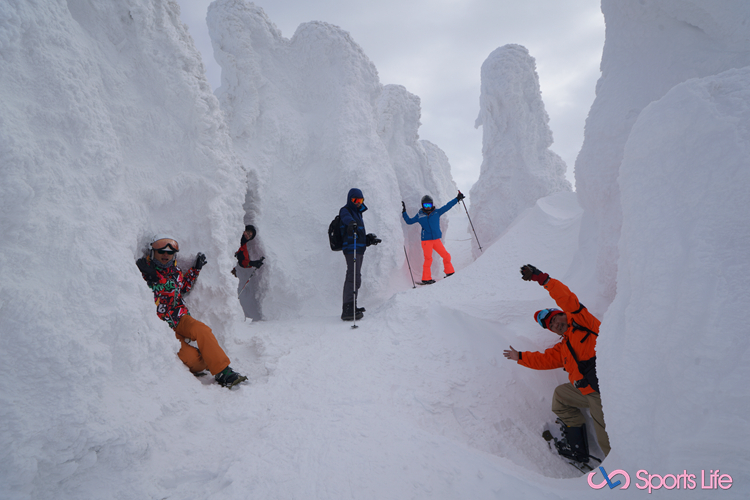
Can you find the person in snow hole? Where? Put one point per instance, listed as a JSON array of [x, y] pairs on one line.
[[356, 240], [242, 255], [169, 285], [576, 354], [429, 218]]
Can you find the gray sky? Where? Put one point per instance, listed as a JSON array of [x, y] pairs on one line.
[[435, 48]]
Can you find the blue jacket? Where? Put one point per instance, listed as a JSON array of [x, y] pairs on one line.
[[350, 213], [430, 222]]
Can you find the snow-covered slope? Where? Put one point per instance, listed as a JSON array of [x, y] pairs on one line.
[[518, 167]]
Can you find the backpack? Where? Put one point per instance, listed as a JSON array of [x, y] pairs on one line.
[[334, 235]]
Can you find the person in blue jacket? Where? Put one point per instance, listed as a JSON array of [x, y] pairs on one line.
[[352, 223], [429, 218]]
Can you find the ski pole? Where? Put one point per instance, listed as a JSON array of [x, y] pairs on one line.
[[413, 285], [354, 279], [472, 225], [248, 281]]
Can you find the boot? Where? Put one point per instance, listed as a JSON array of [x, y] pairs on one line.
[[229, 378], [347, 312], [574, 444]]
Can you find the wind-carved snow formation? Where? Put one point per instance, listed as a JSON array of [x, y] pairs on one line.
[[518, 167], [677, 328], [649, 48], [109, 133], [311, 120]]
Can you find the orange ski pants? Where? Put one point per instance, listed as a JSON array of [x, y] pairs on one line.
[[427, 247], [209, 355]]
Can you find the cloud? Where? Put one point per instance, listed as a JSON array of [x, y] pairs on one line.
[[435, 48]]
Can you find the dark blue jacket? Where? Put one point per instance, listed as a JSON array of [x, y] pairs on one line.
[[430, 222], [350, 213]]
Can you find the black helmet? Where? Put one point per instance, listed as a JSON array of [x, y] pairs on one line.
[[427, 204]]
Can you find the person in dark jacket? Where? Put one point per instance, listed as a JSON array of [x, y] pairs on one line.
[[429, 218], [576, 354], [170, 285], [242, 255], [353, 249]]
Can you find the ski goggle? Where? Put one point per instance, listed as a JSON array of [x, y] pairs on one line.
[[544, 314], [357, 201], [165, 245], [427, 205], [167, 252]]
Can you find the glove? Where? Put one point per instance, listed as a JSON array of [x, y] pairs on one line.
[[531, 273], [460, 196], [200, 261], [403, 207], [147, 269], [372, 239], [234, 272], [257, 263], [351, 228]]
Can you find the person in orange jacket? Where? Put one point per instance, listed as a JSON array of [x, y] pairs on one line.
[[576, 354]]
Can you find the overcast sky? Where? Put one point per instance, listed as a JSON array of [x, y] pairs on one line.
[[435, 48]]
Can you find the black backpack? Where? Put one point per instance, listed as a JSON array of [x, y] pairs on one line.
[[334, 235]]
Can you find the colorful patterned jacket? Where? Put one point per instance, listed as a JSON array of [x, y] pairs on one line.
[[168, 288]]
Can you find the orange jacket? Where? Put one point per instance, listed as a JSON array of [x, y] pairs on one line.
[[581, 339]]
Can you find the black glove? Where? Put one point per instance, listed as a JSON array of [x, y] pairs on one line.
[[460, 196], [403, 207], [200, 261], [351, 228], [531, 273], [257, 263], [147, 269], [372, 240]]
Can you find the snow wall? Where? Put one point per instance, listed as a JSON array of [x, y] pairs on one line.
[[674, 353], [310, 120], [650, 46], [109, 133], [518, 167]]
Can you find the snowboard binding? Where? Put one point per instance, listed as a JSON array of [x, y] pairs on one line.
[[572, 446]]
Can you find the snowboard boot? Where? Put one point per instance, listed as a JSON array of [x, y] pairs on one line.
[[229, 378], [348, 312], [574, 444]]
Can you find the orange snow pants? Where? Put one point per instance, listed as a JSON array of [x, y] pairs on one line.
[[209, 355], [427, 247]]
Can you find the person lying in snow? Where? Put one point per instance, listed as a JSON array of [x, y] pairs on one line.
[[356, 240], [242, 255], [169, 285], [429, 219], [576, 354]]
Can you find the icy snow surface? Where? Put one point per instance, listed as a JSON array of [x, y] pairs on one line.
[[109, 133]]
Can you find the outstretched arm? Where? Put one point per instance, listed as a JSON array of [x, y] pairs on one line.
[[511, 354]]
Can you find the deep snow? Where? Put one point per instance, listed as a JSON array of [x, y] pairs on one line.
[[109, 133]]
